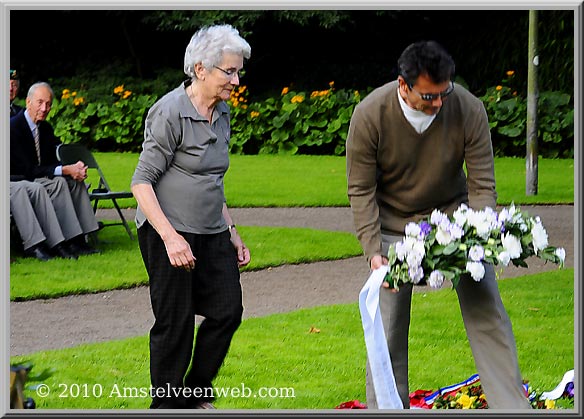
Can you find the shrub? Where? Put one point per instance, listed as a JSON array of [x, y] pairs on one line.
[[115, 123], [294, 123], [297, 122], [507, 112]]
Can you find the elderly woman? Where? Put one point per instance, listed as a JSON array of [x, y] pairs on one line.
[[190, 246]]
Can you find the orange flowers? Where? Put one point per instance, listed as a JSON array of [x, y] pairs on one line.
[[237, 97], [68, 94], [284, 91], [121, 92], [297, 99]]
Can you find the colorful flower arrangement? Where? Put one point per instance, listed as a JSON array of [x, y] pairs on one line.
[[441, 248], [468, 394]]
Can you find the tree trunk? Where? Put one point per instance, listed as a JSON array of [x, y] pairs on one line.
[[532, 98]]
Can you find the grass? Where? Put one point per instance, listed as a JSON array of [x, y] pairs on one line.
[[319, 353], [555, 181], [120, 264], [311, 181]]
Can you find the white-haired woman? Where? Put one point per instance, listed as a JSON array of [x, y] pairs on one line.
[[189, 243]]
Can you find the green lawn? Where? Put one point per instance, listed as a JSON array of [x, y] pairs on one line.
[[318, 354], [312, 181], [120, 264]]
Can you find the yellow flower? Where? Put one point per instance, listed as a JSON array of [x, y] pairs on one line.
[[74, 94], [331, 84], [127, 93], [356, 93], [466, 401], [499, 87], [66, 94], [78, 101], [510, 73], [284, 91], [118, 90], [254, 114], [550, 404], [297, 99], [242, 89]]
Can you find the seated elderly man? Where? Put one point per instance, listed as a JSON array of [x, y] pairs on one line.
[[34, 216], [33, 156]]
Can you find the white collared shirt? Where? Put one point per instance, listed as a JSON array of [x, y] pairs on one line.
[[59, 169]]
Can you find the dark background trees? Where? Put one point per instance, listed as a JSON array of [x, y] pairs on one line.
[[355, 48]]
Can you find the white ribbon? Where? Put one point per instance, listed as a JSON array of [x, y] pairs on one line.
[[557, 392], [377, 352]]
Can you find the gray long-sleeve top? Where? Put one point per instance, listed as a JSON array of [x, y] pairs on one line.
[[185, 158]]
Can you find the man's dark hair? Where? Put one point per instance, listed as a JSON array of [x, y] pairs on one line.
[[426, 58]]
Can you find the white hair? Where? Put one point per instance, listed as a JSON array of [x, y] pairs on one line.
[[35, 86], [208, 45]]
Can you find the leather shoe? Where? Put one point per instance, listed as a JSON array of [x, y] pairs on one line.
[[81, 249], [60, 251], [38, 252]]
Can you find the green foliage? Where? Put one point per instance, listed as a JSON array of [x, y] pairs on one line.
[[294, 123], [118, 120], [507, 111]]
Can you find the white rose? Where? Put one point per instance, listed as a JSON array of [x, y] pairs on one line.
[[561, 253], [416, 274], [476, 253], [512, 245], [504, 258], [436, 279], [443, 235], [476, 270], [412, 230], [540, 237]]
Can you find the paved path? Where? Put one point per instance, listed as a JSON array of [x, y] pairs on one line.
[[70, 321]]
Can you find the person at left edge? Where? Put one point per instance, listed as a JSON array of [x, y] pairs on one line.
[[14, 88], [76, 216]]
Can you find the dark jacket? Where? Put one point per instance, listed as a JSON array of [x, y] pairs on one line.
[[23, 159]]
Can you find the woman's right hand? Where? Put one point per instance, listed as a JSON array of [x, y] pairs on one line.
[[179, 252]]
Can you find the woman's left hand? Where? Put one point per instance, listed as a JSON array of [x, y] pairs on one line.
[[243, 256]]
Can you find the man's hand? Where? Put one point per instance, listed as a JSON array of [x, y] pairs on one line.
[[376, 262], [77, 171]]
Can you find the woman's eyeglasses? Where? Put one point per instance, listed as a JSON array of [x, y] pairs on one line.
[[231, 72], [430, 97]]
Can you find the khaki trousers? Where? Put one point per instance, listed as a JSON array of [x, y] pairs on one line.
[[72, 205], [34, 215]]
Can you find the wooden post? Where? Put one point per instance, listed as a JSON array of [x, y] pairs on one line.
[[531, 169]]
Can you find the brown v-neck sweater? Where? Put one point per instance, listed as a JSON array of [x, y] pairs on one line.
[[396, 175]]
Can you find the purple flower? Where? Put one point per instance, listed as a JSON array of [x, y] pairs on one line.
[[426, 228], [569, 391]]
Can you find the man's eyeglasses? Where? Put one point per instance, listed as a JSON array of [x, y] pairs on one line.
[[430, 97], [230, 73]]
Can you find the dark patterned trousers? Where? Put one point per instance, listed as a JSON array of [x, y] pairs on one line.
[[181, 376]]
